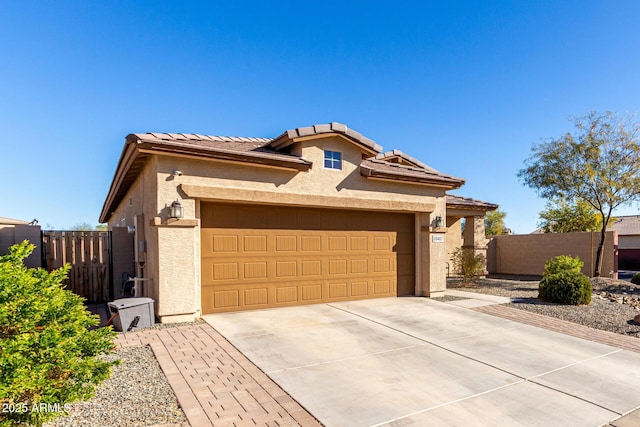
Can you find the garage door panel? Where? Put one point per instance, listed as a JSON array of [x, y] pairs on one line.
[[381, 287], [285, 294], [255, 297], [225, 271], [311, 243], [311, 268], [286, 243], [247, 263], [312, 293], [255, 243], [226, 298], [255, 270], [359, 266], [359, 243], [359, 289]]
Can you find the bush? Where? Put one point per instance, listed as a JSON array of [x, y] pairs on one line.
[[468, 264], [636, 279], [565, 287], [562, 263], [48, 355]]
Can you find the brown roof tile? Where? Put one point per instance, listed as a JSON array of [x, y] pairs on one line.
[[397, 153], [287, 137], [375, 168], [466, 202]]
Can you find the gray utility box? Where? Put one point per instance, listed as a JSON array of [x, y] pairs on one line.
[[132, 313]]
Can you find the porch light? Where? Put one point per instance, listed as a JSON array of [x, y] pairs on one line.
[[176, 210], [438, 222]]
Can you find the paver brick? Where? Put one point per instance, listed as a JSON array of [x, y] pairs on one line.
[[215, 383]]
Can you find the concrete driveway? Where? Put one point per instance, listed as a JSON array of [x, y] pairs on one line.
[[414, 361]]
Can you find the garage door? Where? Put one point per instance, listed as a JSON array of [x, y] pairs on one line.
[[264, 256]]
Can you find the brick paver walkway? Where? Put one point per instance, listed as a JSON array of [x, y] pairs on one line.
[[215, 384], [562, 326]]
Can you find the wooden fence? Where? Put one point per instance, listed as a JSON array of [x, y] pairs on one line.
[[88, 254]]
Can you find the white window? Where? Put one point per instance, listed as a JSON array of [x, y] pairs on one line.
[[332, 159]]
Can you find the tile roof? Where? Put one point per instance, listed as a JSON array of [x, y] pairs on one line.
[[287, 138], [466, 202], [375, 168], [626, 225], [264, 151], [247, 147], [407, 158]]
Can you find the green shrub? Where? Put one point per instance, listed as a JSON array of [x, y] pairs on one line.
[[468, 264], [562, 263], [566, 287], [48, 355], [636, 279]]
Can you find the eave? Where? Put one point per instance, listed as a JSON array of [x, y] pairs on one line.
[[449, 183]]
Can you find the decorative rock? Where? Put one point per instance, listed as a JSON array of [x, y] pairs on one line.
[[636, 319]]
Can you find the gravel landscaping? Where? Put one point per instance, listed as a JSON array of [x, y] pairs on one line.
[[614, 303], [137, 394]]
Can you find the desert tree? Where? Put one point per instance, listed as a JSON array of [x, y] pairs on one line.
[[494, 223], [599, 164], [561, 216]]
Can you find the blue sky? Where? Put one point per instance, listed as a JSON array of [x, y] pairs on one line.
[[466, 87]]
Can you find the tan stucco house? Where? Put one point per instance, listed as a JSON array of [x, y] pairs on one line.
[[317, 214]]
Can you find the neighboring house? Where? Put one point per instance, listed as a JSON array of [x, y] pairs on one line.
[[628, 228], [317, 214], [14, 231]]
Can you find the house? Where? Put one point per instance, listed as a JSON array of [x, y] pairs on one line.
[[628, 228], [317, 214]]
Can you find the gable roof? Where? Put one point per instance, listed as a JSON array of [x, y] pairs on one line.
[[290, 136], [393, 165]]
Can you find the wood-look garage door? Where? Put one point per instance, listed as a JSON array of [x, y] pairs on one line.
[[264, 256]]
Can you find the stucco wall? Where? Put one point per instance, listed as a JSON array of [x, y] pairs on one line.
[[345, 183], [526, 254], [140, 202], [453, 240], [12, 234]]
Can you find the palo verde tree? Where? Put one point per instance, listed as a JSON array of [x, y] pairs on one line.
[[598, 164]]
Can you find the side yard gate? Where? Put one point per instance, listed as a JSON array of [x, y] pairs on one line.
[[88, 253]]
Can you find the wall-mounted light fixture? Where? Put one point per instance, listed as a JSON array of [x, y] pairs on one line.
[[176, 210], [177, 172], [438, 222]]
